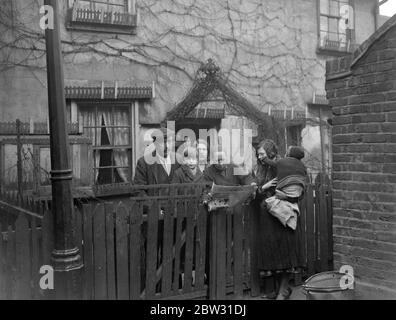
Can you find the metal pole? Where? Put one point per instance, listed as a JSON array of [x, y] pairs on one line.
[[66, 259]]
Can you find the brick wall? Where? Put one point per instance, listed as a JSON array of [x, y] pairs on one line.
[[361, 89]]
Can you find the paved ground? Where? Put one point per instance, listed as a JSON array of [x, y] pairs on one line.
[[297, 294]]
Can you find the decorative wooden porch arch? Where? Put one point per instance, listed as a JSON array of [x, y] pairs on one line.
[[210, 83]]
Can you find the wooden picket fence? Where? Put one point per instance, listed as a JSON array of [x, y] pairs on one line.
[[317, 225], [25, 246], [164, 245], [157, 247]]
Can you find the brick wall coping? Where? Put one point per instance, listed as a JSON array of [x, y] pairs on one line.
[[341, 67]]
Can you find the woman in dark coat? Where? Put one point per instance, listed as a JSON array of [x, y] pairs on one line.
[[224, 174], [189, 171], [280, 247]]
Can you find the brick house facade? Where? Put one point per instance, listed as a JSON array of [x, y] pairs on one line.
[[361, 89]]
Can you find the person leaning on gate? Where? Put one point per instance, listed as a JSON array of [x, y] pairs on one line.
[[280, 248], [159, 170], [224, 174]]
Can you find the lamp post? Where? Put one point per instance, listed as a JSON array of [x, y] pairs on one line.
[[65, 257]]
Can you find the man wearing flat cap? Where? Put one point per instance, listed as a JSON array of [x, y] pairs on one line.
[[157, 165]]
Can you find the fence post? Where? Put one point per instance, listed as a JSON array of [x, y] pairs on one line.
[[217, 262], [19, 160], [254, 250]]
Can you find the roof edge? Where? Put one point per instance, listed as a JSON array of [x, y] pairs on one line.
[[341, 67], [365, 46]]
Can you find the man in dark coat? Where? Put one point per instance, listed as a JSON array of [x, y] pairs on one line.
[[157, 167], [153, 173]]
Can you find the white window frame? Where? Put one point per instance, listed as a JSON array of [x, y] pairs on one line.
[[337, 17], [75, 108]]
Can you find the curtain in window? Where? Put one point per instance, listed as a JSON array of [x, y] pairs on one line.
[[108, 122], [117, 116], [119, 137], [90, 119], [122, 138]]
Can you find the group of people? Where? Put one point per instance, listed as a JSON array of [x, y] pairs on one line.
[[280, 184], [194, 167]]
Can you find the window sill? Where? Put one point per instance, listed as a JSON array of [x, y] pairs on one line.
[[115, 189]]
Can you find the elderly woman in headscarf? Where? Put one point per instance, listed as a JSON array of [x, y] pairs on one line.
[[226, 174], [280, 248]]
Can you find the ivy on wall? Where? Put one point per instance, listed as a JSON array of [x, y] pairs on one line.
[[265, 48]]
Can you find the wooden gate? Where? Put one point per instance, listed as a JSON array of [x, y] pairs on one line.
[[230, 243], [144, 248], [234, 246]]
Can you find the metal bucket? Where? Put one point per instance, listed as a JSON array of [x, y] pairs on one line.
[[326, 286]]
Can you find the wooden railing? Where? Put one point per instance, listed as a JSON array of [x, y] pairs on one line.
[[115, 92], [342, 46], [210, 113], [287, 114], [91, 16], [320, 99], [33, 128]]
